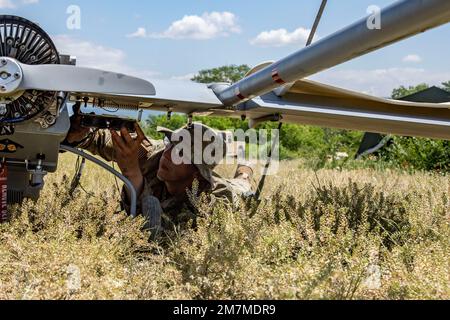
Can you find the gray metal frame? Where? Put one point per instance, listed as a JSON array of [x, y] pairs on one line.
[[128, 184]]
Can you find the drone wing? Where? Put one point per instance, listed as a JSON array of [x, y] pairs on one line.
[[303, 101], [313, 103]]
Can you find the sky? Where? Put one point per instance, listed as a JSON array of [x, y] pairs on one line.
[[174, 39]]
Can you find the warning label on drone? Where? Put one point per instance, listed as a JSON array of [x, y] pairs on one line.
[[3, 192]]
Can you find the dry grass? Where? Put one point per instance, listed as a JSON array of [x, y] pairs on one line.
[[327, 235]]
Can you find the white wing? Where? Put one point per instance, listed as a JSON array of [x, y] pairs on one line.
[[303, 102], [313, 103], [308, 102]]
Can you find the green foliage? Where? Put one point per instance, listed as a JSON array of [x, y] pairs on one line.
[[403, 91], [338, 141], [446, 86], [177, 121], [296, 140], [419, 154], [317, 146], [361, 206], [223, 123], [231, 74]]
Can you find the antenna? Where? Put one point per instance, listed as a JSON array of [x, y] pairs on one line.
[[262, 182], [316, 22]]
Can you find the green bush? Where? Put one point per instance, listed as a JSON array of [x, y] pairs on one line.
[[296, 140], [153, 122], [317, 146], [418, 154]]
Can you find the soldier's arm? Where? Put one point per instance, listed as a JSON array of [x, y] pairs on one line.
[[233, 190], [99, 143]]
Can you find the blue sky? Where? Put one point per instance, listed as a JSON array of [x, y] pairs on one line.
[[176, 38]]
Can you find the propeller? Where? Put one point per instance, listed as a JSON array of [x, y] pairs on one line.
[[31, 75]]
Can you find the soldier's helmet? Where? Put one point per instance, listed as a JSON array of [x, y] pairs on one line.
[[207, 147]]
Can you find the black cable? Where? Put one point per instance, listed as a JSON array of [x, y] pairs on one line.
[[74, 183], [117, 182], [122, 200], [262, 182], [79, 166]]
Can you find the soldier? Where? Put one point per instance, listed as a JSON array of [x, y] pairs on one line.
[[162, 183]]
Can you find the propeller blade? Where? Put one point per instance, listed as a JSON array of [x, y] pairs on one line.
[[83, 80]]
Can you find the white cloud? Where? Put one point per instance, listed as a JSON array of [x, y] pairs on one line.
[[380, 82], [12, 4], [208, 26], [140, 33], [412, 58], [93, 55], [282, 37]]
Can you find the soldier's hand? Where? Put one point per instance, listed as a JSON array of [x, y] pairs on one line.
[[127, 155], [77, 132]]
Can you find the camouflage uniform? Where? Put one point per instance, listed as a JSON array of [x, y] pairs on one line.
[[160, 208]]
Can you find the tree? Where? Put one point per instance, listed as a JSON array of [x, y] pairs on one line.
[[402, 91], [418, 153], [231, 73], [177, 121]]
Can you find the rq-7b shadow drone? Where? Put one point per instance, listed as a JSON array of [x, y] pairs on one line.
[[36, 84]]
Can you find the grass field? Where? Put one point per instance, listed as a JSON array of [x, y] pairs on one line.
[[361, 234]]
